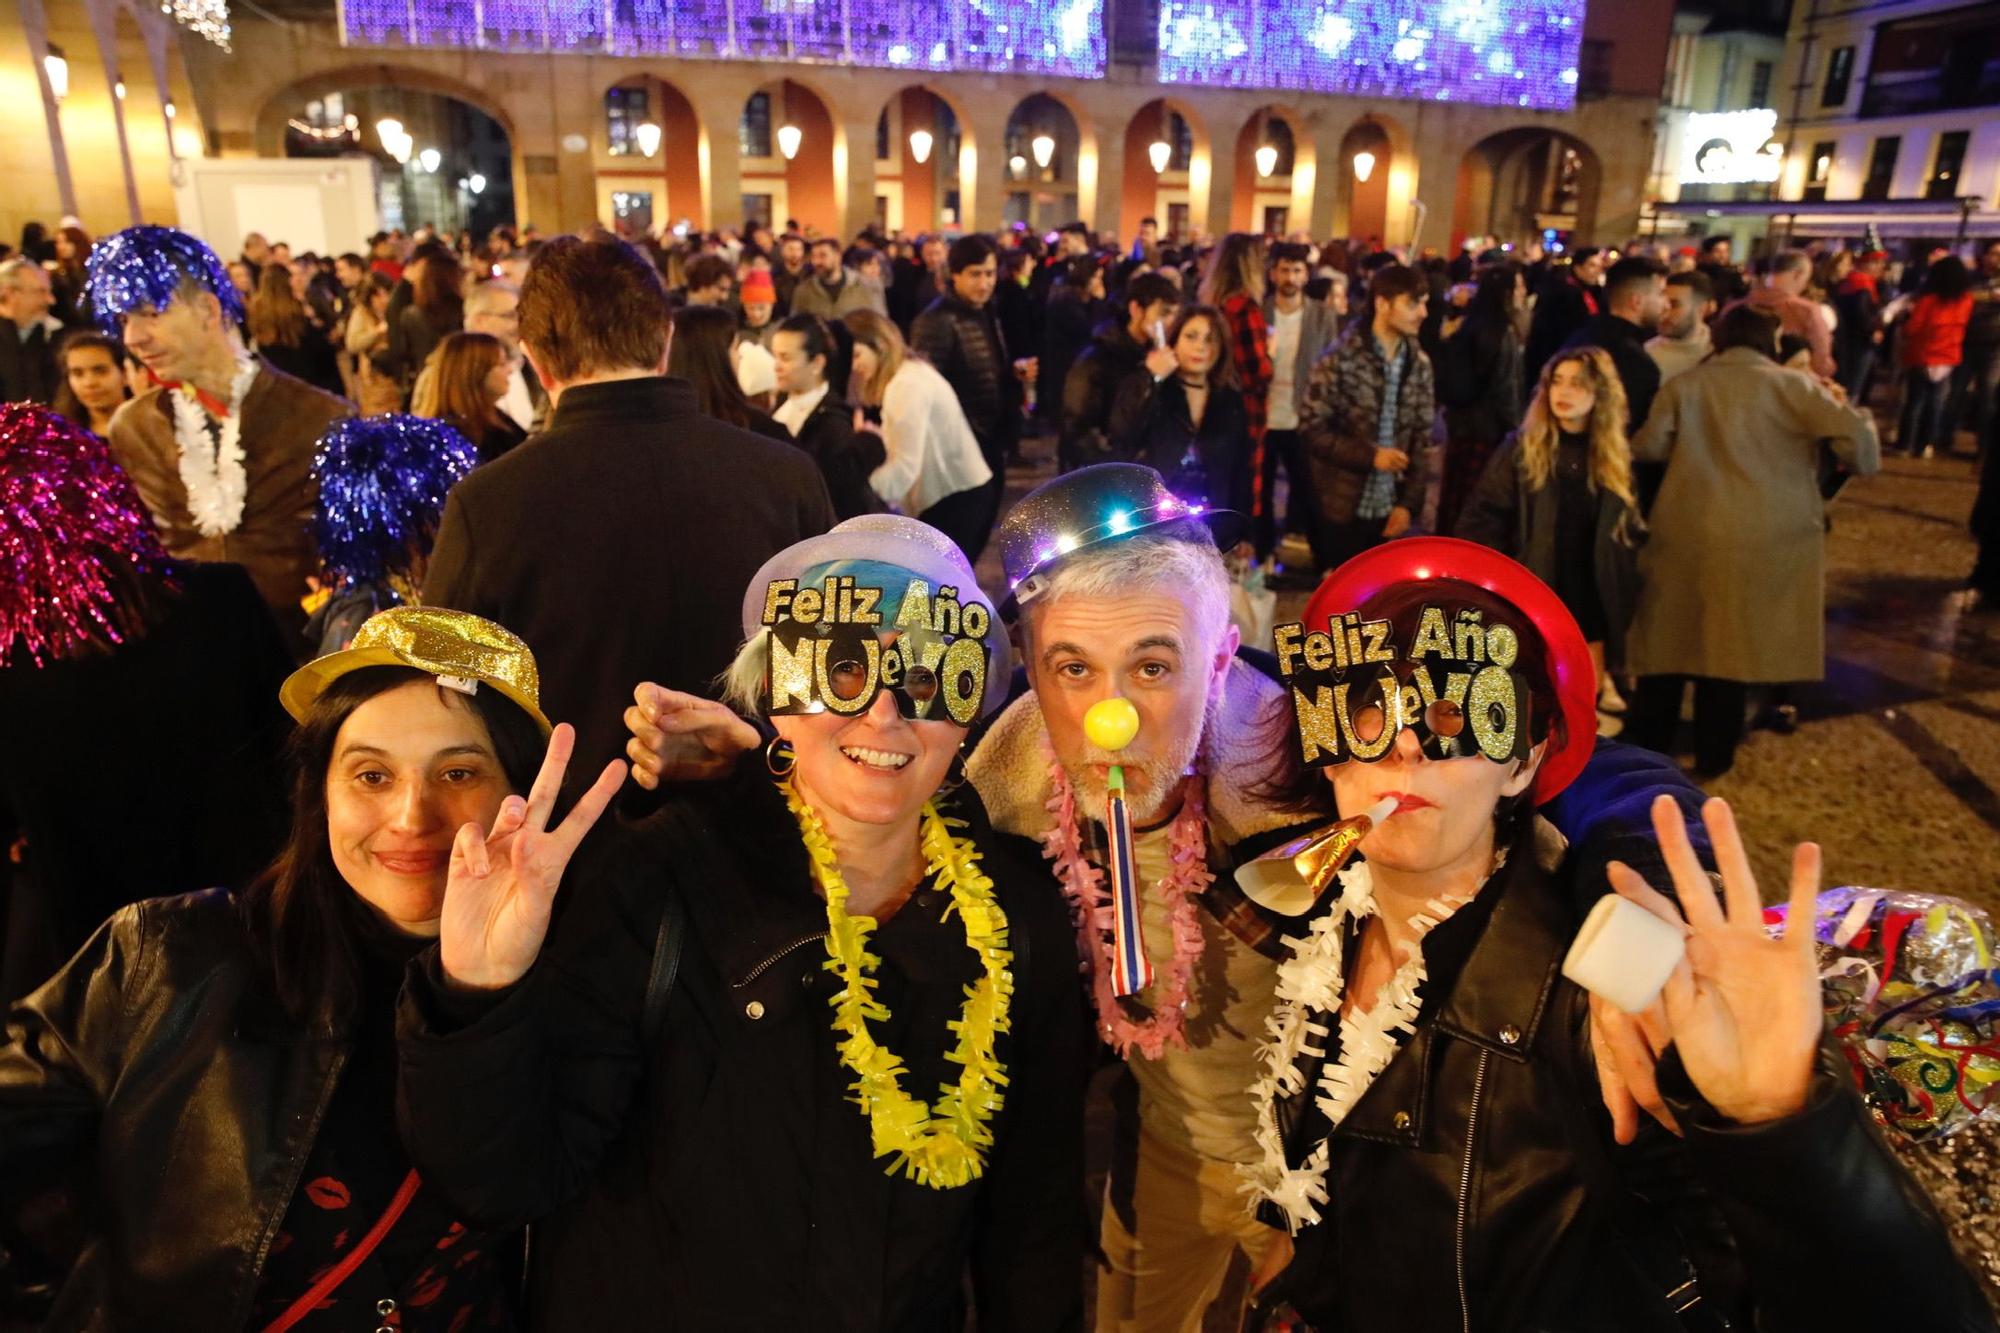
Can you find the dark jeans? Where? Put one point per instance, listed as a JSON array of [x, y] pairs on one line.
[[1653, 715], [1921, 422], [966, 517], [1334, 544], [1286, 448], [1856, 374], [1975, 385]]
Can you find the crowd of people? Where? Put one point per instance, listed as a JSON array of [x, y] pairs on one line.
[[569, 775]]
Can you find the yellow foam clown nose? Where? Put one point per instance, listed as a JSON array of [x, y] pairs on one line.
[[1111, 724]]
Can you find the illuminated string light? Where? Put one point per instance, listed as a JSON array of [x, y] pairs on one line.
[[204, 18]]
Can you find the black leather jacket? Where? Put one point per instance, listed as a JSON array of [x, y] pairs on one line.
[[965, 344], [1475, 1184], [157, 1061], [1090, 390]]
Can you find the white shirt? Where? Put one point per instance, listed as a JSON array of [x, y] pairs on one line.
[[756, 370], [932, 452], [1282, 407], [517, 405], [792, 413]]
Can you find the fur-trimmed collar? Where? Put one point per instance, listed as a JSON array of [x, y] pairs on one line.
[[1010, 768]]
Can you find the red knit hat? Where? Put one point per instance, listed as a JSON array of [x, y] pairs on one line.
[[757, 286]]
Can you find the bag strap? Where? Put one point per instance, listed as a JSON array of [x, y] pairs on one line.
[[330, 1281], [667, 945]]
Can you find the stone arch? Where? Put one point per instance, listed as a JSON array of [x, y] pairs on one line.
[[675, 169], [812, 186], [1517, 182], [1045, 197], [1291, 185], [275, 107], [1380, 206], [939, 191], [1161, 194]]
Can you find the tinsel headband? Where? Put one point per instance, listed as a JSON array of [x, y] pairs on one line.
[[142, 268], [70, 524], [382, 484]]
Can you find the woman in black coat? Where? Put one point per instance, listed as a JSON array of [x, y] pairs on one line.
[[1478, 369], [685, 1080], [215, 1076], [1184, 417], [806, 349]]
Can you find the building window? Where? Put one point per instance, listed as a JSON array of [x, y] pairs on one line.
[[1275, 220], [1839, 71], [1946, 166], [882, 136], [1182, 138], [753, 132], [1593, 70], [756, 210], [1881, 167], [1760, 84], [632, 212], [624, 111], [1934, 62], [1821, 170]]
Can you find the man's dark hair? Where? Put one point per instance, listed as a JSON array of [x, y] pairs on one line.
[[1290, 252], [969, 252], [705, 271], [1394, 280], [1144, 221], [590, 305], [1078, 271], [1630, 272], [1709, 244], [1317, 288], [1747, 326], [831, 242], [1076, 229], [353, 259], [1148, 288], [1695, 281]]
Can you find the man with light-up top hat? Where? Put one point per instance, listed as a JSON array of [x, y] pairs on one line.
[[1118, 591]]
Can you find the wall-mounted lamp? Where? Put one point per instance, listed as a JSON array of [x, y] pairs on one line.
[[1364, 166], [789, 137], [1267, 159], [1161, 153], [647, 136], [1044, 149], [920, 146]]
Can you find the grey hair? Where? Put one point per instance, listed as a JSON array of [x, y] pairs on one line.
[[1790, 261], [743, 681], [479, 301], [12, 269], [1181, 559]]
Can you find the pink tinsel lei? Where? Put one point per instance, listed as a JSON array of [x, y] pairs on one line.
[[70, 520]]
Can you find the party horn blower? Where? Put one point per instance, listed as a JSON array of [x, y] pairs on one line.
[[1112, 724], [1290, 879]]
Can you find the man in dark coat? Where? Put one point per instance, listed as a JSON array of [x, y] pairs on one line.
[[1076, 299], [1567, 298], [1633, 291], [619, 539], [960, 336], [1117, 349], [27, 348]]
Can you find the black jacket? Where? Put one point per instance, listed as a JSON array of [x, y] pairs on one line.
[[845, 459], [1090, 389], [964, 343], [1475, 1183], [1207, 464], [158, 1073], [721, 1176], [1478, 373], [1637, 371], [1066, 330], [618, 542], [1563, 305], [27, 366]]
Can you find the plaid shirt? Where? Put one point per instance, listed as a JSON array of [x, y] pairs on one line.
[[1250, 350], [1378, 494]]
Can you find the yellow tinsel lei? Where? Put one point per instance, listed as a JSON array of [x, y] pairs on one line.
[[942, 1145]]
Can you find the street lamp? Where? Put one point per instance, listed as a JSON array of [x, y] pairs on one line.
[[1018, 165], [170, 109], [1267, 159], [430, 158], [1364, 166], [56, 64], [647, 136], [788, 140], [1044, 149], [118, 88], [920, 146], [477, 183], [1161, 152]]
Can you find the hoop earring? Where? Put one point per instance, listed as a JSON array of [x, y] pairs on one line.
[[779, 758], [954, 776]]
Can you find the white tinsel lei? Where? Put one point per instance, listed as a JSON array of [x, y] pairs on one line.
[[211, 469], [1310, 984]]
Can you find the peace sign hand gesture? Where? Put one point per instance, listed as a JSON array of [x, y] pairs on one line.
[[1743, 1008], [502, 882]]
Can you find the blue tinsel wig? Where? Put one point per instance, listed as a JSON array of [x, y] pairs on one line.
[[142, 268], [382, 483]]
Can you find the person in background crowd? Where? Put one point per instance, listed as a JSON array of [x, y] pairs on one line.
[[1725, 280], [466, 380], [1688, 303], [1300, 332], [70, 278], [282, 332], [1330, 290], [221, 450], [256, 254], [1732, 590], [639, 499], [959, 336], [257, 1031], [382, 482], [1235, 284], [710, 280], [1568, 299], [28, 333], [1184, 416], [1076, 302], [1931, 346], [108, 646], [760, 305], [1630, 314], [1478, 373], [1015, 309], [493, 307], [1146, 245], [1782, 293], [93, 370], [36, 244], [1118, 349], [1858, 334], [1558, 497], [350, 274], [436, 308], [373, 388], [832, 289], [1978, 378], [1829, 271], [701, 353], [791, 269], [807, 362], [1367, 422], [243, 278], [934, 467], [384, 257]]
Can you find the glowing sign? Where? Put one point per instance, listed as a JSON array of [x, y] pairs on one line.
[[1494, 52], [1730, 148], [1063, 37]]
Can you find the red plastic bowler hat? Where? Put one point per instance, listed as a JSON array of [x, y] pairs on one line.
[[1424, 559]]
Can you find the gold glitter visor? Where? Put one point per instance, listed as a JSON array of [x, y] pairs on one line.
[[462, 650]]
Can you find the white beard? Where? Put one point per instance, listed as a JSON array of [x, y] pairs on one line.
[[1149, 782]]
